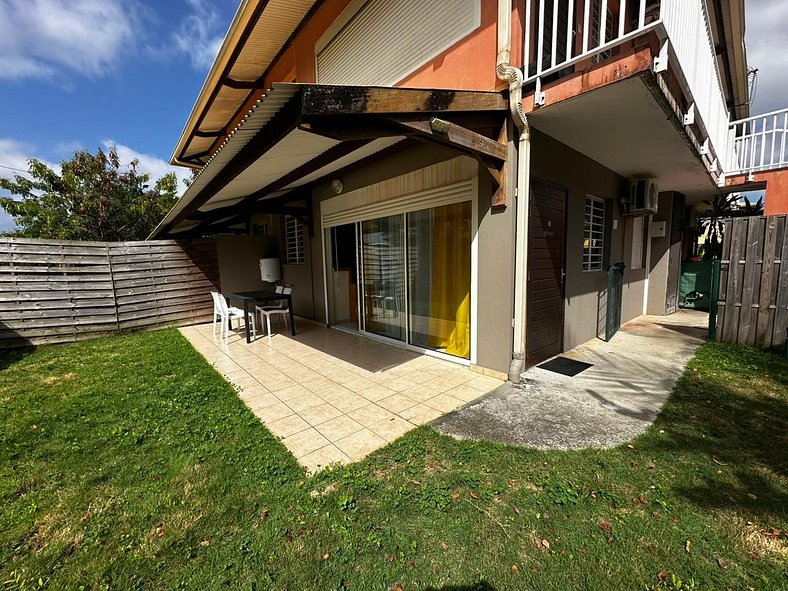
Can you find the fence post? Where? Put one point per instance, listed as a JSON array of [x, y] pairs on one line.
[[714, 298]]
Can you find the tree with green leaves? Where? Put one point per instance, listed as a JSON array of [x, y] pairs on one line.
[[93, 197]]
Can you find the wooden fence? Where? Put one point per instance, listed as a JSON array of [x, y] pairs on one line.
[[60, 291], [753, 302]]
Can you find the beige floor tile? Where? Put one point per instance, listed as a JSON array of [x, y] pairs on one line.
[[322, 458], [302, 403], [360, 444], [305, 442], [287, 426], [464, 393], [273, 412], [397, 403], [243, 381], [297, 391], [339, 427], [320, 414], [376, 392], [422, 393], [370, 414], [484, 383], [392, 428], [259, 400], [348, 403], [400, 384], [278, 384], [420, 414], [444, 403]]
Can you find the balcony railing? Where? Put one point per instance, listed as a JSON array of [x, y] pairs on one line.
[[562, 33], [757, 144]]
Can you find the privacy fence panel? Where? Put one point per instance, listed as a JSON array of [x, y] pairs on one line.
[[60, 291], [753, 302]]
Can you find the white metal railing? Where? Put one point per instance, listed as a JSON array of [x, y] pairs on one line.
[[689, 33], [757, 143], [562, 33]]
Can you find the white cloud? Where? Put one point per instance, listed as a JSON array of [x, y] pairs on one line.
[[151, 165], [767, 39], [200, 34], [39, 38], [13, 161]]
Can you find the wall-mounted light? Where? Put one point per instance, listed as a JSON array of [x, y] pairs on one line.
[[337, 186]]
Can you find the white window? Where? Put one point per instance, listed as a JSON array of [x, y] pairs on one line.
[[636, 261], [594, 234], [294, 239]]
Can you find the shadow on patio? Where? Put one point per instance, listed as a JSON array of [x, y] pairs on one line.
[[333, 396]]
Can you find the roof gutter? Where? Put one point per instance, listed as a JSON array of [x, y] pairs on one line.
[[240, 22], [514, 76]]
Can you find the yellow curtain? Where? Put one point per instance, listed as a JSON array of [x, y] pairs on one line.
[[450, 305]]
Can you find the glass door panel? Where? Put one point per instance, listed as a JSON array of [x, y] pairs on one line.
[[439, 278], [383, 276], [343, 294]]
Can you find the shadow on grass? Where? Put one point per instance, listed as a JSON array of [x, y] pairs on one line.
[[729, 422], [9, 358]]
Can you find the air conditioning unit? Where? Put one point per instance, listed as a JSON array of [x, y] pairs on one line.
[[642, 198]]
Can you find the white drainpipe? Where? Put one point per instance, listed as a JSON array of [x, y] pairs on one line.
[[514, 76]]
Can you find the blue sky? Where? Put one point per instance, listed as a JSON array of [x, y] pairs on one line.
[[93, 73]]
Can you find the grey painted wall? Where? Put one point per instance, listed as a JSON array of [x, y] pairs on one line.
[[239, 258], [585, 292]]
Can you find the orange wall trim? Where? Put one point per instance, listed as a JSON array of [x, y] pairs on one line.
[[776, 201], [628, 64]]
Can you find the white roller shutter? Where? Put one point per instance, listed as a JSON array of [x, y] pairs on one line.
[[388, 39], [454, 193]]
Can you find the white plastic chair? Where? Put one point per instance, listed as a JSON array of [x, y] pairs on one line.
[[268, 311], [227, 314]]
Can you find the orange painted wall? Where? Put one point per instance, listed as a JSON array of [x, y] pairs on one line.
[[776, 201], [467, 65]]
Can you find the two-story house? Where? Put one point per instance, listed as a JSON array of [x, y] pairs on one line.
[[458, 176]]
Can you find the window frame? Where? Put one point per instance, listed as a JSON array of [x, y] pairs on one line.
[[587, 264], [295, 247]]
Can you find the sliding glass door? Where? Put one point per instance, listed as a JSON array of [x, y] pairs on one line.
[[439, 278], [413, 275], [383, 276]]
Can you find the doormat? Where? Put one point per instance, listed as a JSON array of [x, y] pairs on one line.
[[565, 366]]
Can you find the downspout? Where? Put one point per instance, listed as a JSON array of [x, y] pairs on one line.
[[514, 76]]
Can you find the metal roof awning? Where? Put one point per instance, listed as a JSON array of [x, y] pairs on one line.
[[298, 135]]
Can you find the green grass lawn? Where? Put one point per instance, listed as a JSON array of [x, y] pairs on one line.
[[129, 463]]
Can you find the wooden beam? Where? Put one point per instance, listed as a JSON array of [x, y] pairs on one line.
[[455, 136], [280, 125], [322, 100], [242, 84], [499, 197], [209, 134], [351, 130]]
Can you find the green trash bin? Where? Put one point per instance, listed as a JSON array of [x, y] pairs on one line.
[[695, 285]]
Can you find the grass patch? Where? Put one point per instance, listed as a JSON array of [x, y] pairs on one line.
[[128, 463]]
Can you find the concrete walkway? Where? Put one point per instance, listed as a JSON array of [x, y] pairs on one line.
[[604, 406]]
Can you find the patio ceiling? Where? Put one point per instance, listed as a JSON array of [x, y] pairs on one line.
[[300, 135]]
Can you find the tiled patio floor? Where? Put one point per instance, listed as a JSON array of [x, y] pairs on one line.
[[333, 396]]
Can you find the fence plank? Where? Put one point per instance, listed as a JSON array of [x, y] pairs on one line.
[[753, 261], [754, 281], [781, 298], [60, 291]]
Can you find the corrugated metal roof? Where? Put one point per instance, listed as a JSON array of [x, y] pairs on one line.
[[268, 35], [257, 117]]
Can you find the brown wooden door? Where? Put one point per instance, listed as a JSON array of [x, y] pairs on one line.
[[545, 287]]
